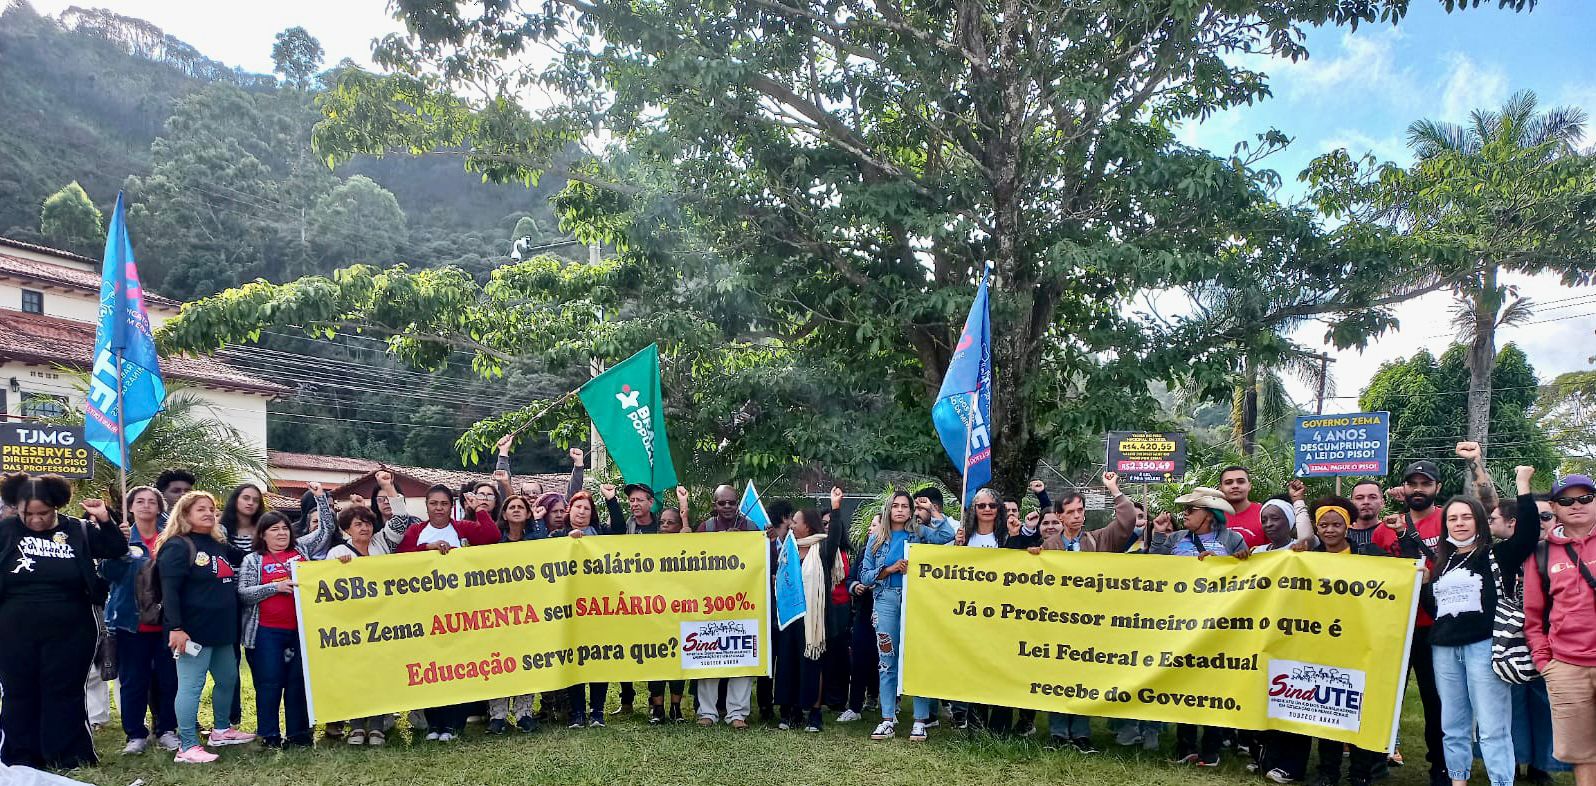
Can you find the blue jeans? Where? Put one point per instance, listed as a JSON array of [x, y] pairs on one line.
[[1071, 727], [144, 671], [222, 665], [888, 619], [1532, 727], [1473, 697], [279, 672]]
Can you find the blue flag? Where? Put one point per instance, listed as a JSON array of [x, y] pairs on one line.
[[753, 508], [964, 404], [790, 601], [133, 387]]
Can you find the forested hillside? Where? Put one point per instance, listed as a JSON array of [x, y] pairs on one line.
[[223, 188], [219, 161]]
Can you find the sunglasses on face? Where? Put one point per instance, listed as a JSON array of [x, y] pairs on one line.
[[725, 502], [986, 505], [1547, 515], [1583, 499]]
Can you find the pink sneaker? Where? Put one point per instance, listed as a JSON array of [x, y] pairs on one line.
[[230, 737], [195, 755]]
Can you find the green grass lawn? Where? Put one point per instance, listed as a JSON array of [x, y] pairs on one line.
[[632, 752]]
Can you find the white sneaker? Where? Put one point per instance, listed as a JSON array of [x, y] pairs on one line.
[[1279, 776], [933, 723], [169, 742], [433, 736], [849, 716], [136, 747], [886, 731], [917, 732], [445, 737]]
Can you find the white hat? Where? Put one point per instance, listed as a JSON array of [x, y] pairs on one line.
[[1204, 497]]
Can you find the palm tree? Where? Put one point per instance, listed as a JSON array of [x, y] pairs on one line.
[[1469, 183], [1259, 401], [187, 434]]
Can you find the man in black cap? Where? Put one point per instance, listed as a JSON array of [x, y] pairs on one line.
[[1421, 486]]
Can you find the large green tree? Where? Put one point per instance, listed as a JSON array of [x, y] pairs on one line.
[[837, 176], [1427, 399], [357, 221], [70, 220], [296, 54], [1509, 191]]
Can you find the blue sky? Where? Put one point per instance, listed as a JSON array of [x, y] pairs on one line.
[[1361, 90], [1356, 90]]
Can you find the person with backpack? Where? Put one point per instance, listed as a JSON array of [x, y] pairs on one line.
[[1465, 583], [1560, 618], [145, 674], [199, 607], [48, 590]]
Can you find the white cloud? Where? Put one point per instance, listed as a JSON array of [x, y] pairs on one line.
[[1368, 62], [1391, 147], [1469, 86]]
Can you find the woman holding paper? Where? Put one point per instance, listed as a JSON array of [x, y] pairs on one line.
[[199, 606], [1461, 594], [270, 635]]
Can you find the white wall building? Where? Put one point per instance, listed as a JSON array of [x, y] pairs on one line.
[[49, 309]]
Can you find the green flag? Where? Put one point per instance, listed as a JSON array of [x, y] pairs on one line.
[[625, 406]]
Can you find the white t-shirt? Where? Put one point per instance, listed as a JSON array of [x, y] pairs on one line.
[[987, 541], [431, 534]]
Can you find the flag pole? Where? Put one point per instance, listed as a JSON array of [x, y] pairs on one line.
[[121, 435]]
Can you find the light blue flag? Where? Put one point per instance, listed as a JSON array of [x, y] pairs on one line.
[[964, 404], [753, 508], [133, 386], [790, 601]]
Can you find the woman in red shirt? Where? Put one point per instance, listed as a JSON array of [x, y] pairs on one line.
[[270, 636]]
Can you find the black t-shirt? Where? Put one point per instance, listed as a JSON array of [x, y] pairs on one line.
[[1362, 537], [43, 568], [199, 589]]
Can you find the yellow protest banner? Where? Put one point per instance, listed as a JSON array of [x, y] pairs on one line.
[[404, 631], [1312, 643]]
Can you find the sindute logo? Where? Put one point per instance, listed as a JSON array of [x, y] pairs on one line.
[[732, 627], [1316, 693], [716, 643]]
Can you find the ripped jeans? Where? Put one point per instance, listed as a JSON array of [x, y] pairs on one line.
[[888, 621]]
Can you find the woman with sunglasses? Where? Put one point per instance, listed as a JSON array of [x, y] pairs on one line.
[[1461, 594], [1532, 707], [882, 571]]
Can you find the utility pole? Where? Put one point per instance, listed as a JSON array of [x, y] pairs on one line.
[[1324, 378], [595, 367]]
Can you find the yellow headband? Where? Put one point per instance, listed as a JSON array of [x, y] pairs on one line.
[[1318, 515]]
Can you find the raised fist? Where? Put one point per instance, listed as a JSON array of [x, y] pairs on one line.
[[1038, 487], [608, 490], [836, 497], [1468, 451], [505, 442], [576, 456], [1298, 490], [315, 488]]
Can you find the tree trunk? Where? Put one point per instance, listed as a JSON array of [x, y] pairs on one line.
[[1481, 362], [1246, 412]]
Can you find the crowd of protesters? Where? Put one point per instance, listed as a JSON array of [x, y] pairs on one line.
[[184, 585]]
